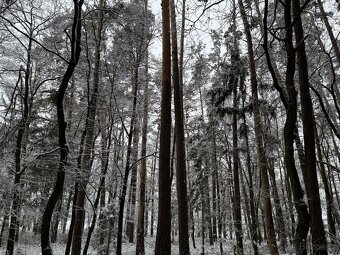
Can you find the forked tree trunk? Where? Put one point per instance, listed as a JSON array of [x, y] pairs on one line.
[[311, 182], [290, 102]]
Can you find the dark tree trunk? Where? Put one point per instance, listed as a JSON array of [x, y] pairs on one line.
[[131, 208], [290, 103], [163, 239], [19, 152], [88, 143], [58, 188], [311, 182], [181, 176], [271, 239]]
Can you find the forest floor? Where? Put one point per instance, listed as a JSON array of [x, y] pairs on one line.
[[31, 247]]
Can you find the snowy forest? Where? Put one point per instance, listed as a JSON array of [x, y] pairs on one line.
[[169, 127]]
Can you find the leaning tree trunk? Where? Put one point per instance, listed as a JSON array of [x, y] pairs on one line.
[[58, 188]]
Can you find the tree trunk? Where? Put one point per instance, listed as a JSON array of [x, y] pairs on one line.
[[75, 195], [181, 177], [329, 196], [278, 210], [128, 158], [131, 208], [58, 188], [290, 103], [163, 239], [312, 186], [236, 177], [88, 143], [259, 139], [55, 221], [140, 249], [254, 219], [19, 152]]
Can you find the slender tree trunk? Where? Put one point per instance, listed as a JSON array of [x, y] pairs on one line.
[[66, 212], [329, 196], [140, 249], [254, 219], [317, 229], [75, 195], [75, 53], [131, 208], [152, 188], [105, 147], [19, 152], [278, 210], [181, 178], [128, 158], [290, 103], [259, 139], [236, 177], [88, 143], [55, 221]]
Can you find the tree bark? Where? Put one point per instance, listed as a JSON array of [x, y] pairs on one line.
[[163, 239]]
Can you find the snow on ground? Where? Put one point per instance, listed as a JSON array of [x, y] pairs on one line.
[[129, 249]]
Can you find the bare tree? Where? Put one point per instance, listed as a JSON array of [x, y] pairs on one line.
[[58, 188]]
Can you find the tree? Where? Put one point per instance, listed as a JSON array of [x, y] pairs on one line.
[[163, 239], [63, 148], [181, 177], [89, 140], [289, 99], [259, 136], [311, 181]]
